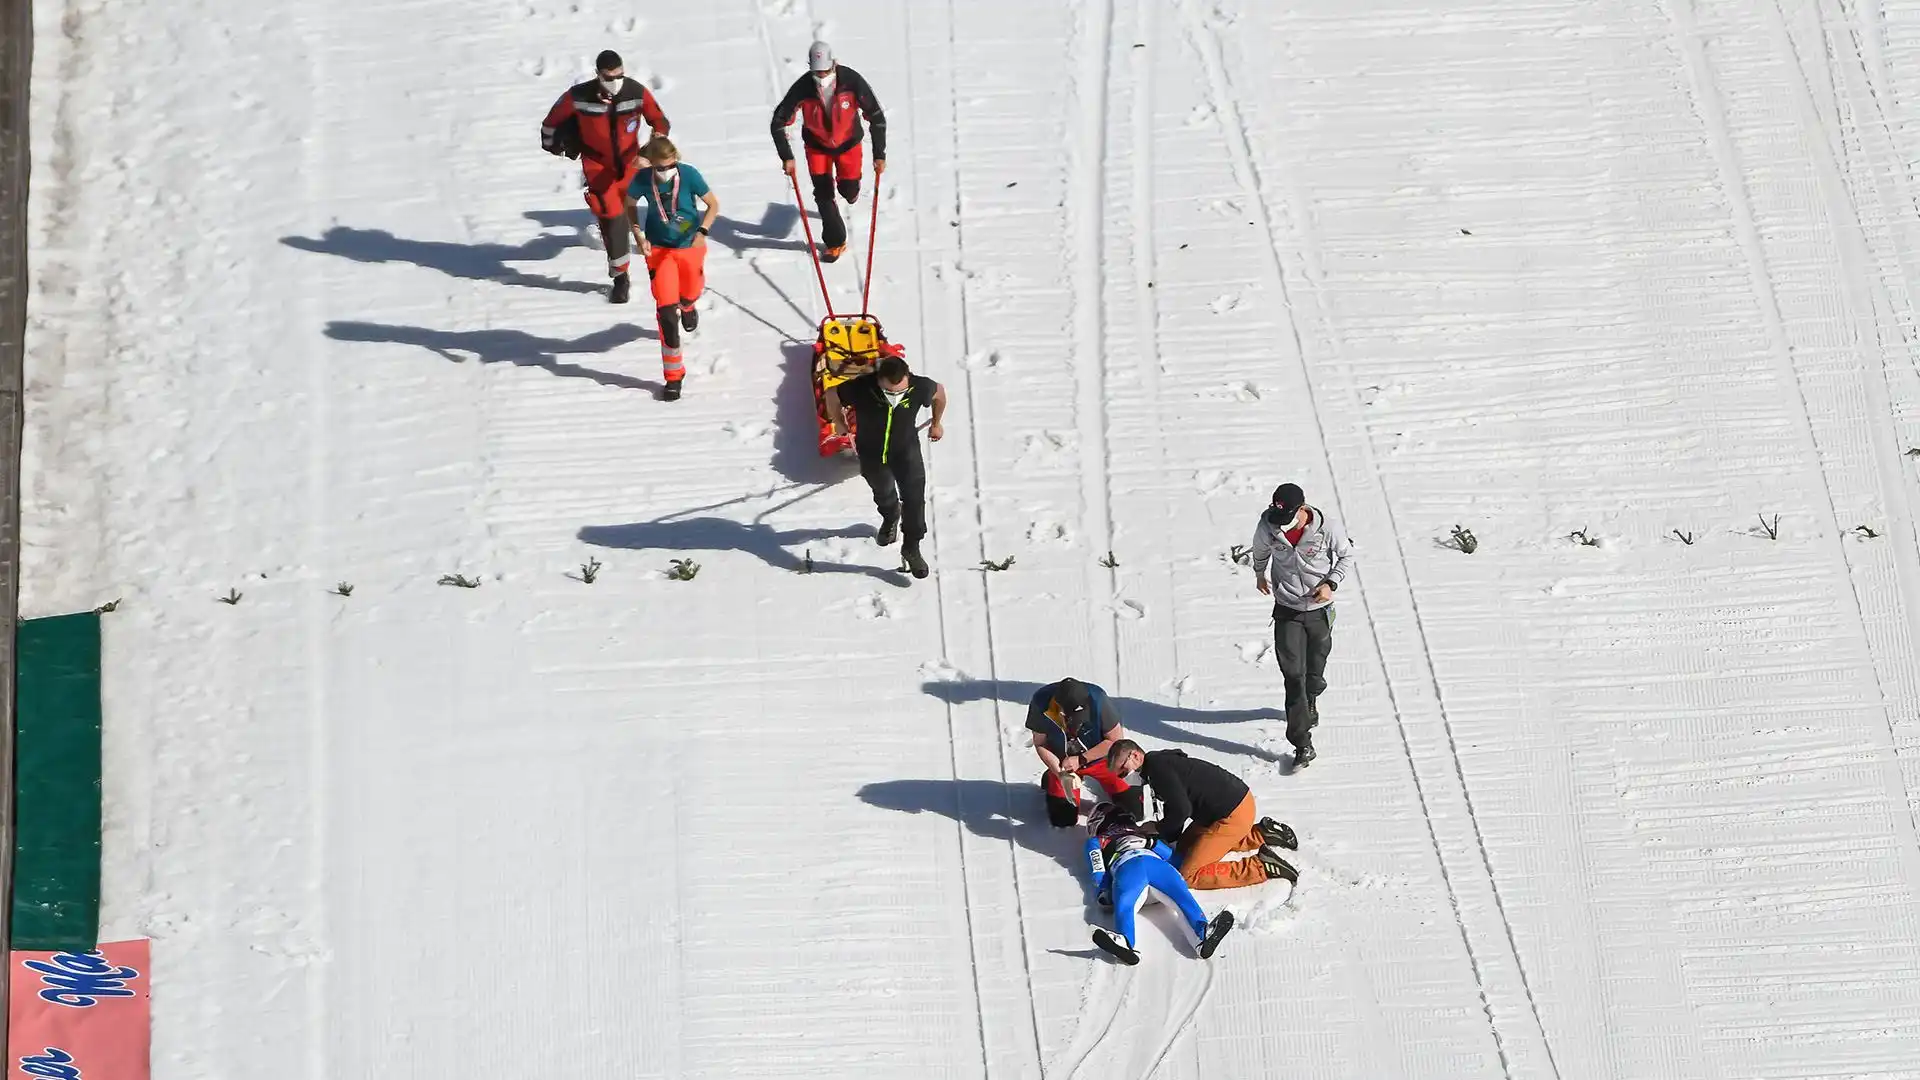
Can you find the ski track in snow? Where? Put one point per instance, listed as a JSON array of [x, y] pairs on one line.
[[1641, 809]]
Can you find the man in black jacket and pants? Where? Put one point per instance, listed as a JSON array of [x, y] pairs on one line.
[[1206, 812], [885, 404]]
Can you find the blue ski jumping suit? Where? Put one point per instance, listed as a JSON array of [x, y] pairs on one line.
[[1132, 869]]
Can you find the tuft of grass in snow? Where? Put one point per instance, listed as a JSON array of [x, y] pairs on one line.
[[343, 589], [1684, 537], [1866, 532], [989, 564], [1579, 536], [683, 570], [1110, 562], [111, 605], [590, 570], [459, 581], [1771, 528], [1241, 554], [1464, 540], [806, 563], [232, 597]]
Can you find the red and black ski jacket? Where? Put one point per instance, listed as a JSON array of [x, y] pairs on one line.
[[607, 130], [831, 126]]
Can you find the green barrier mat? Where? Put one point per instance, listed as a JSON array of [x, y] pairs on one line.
[[56, 854]]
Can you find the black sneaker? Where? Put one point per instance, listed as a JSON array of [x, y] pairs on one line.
[[672, 391], [889, 530], [1216, 930], [1277, 867], [689, 318], [1115, 948], [911, 554], [622, 285], [1303, 755], [1278, 834]]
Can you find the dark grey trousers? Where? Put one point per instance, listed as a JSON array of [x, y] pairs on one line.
[[617, 236], [1302, 640]]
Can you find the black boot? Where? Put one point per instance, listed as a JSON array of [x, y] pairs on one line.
[[889, 528], [1277, 867], [672, 391], [1115, 948], [622, 286], [1278, 834], [910, 552], [689, 317], [1303, 755], [1216, 930]]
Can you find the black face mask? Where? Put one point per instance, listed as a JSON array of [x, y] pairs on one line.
[[1279, 518]]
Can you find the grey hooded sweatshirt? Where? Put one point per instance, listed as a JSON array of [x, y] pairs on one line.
[[1324, 554]]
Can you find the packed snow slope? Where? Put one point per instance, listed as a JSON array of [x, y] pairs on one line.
[[311, 307]]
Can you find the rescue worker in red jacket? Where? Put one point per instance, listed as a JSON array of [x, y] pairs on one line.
[[830, 100], [598, 122]]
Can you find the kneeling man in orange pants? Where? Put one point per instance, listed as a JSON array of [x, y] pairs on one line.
[[1206, 813], [673, 240]]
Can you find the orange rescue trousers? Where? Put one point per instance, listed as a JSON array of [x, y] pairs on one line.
[[679, 276], [1202, 847]]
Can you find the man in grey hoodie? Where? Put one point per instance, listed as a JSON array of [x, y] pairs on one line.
[[1310, 555]]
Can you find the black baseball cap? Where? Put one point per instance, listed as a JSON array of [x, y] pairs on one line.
[[1072, 696], [1289, 497]]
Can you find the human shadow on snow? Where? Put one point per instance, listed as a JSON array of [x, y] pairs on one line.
[[1149, 718], [773, 232], [515, 347], [765, 542], [491, 261], [993, 809], [473, 262]]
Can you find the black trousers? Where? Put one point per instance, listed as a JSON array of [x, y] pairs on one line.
[[899, 490], [1302, 640], [833, 231]]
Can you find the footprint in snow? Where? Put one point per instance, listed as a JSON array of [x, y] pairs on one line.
[[984, 358], [1211, 482], [746, 432], [1181, 686], [1224, 303], [1130, 609], [1201, 116], [1049, 532], [1255, 652], [940, 671], [873, 606], [1046, 446]]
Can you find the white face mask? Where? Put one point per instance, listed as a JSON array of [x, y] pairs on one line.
[[1132, 778], [895, 397], [666, 175], [612, 84]]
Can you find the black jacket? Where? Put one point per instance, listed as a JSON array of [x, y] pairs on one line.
[[882, 432], [1190, 789]]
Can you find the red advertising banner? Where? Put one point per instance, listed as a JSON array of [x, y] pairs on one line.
[[80, 1015]]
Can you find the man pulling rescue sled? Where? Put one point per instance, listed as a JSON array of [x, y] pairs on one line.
[[1132, 866]]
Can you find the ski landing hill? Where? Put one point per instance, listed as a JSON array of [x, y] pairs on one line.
[[310, 307]]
